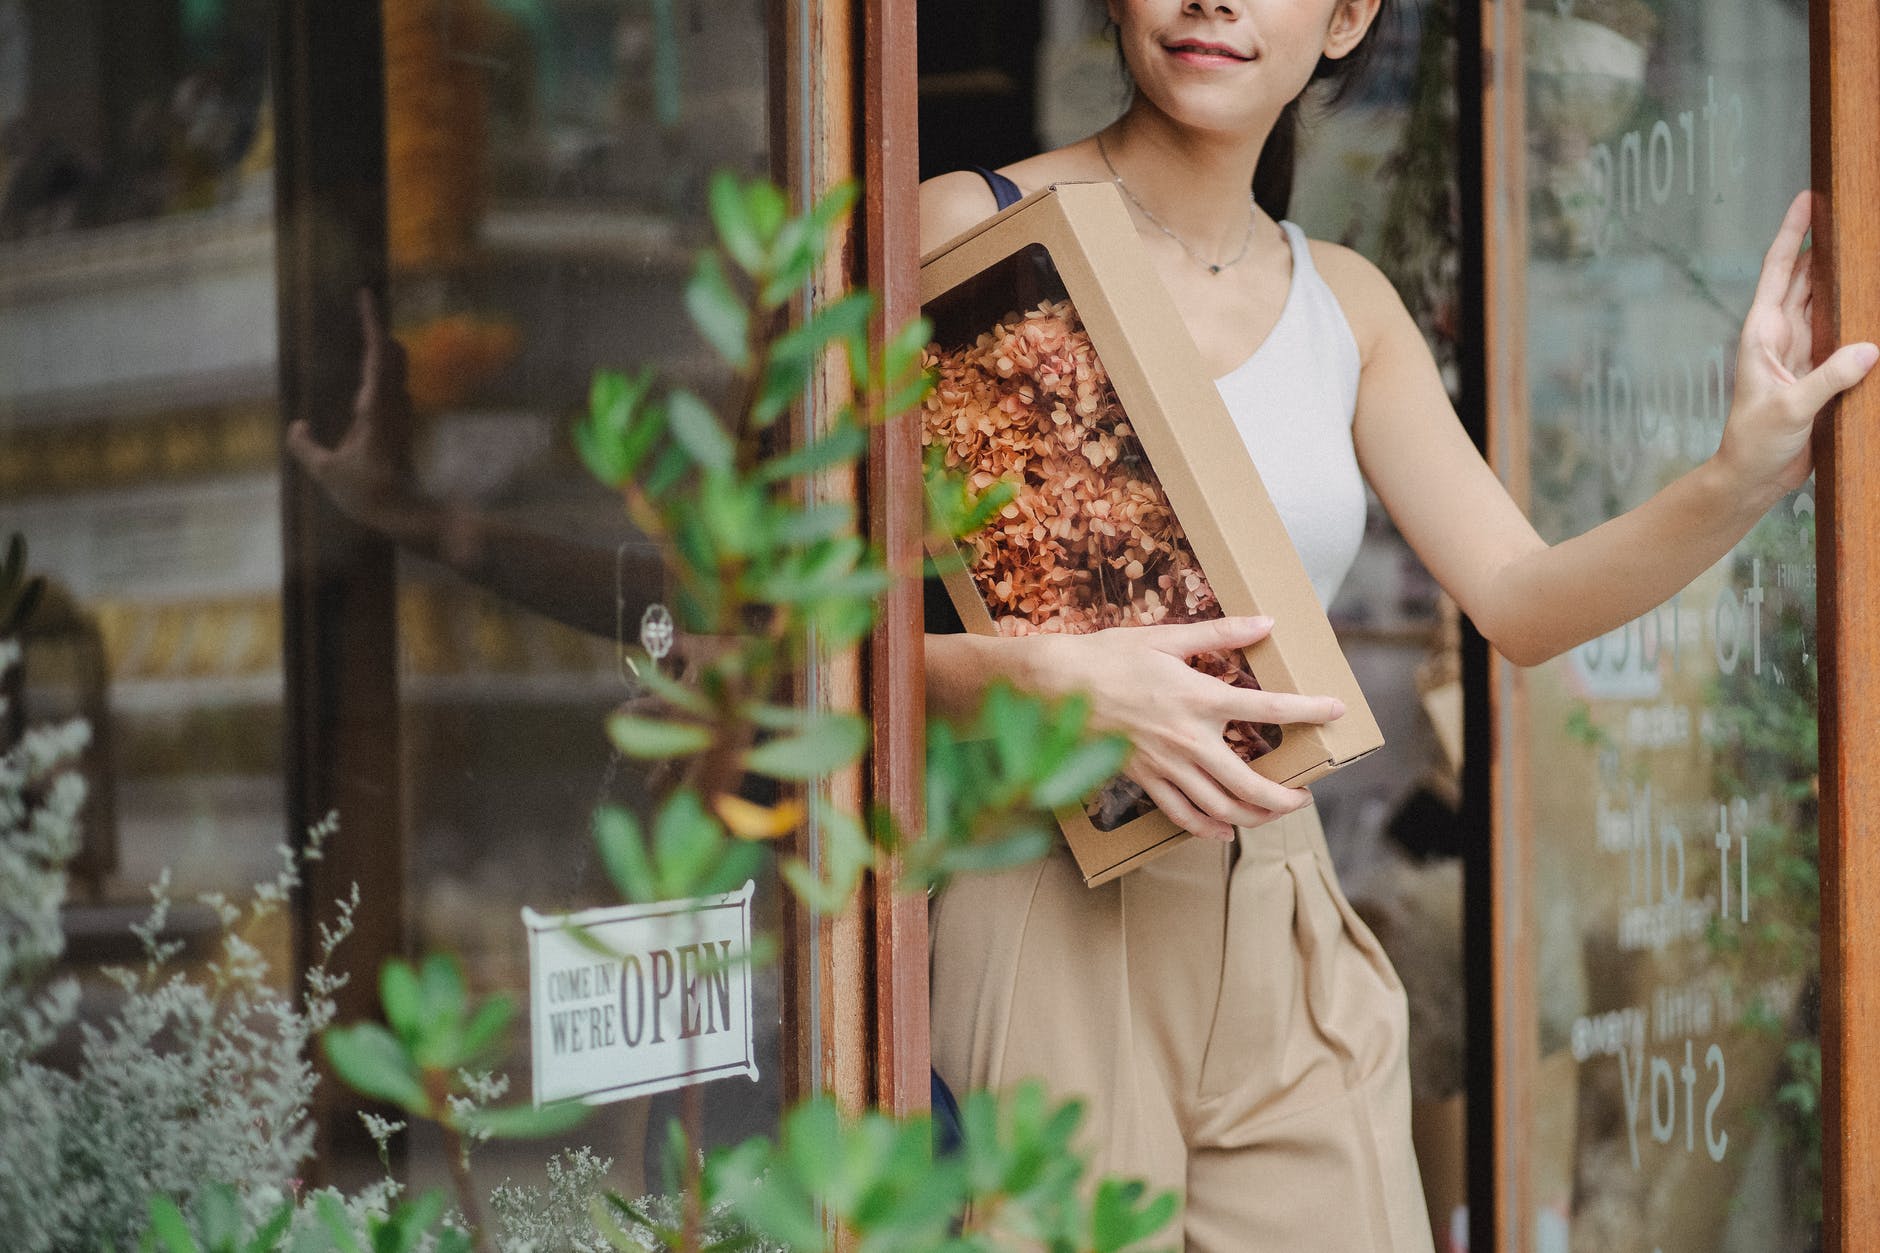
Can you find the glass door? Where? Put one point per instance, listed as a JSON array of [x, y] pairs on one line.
[[1659, 878]]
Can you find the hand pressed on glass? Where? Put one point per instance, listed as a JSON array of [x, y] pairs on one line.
[[1779, 389], [1138, 682]]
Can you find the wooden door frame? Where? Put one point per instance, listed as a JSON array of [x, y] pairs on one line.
[[890, 135], [1844, 43], [860, 989]]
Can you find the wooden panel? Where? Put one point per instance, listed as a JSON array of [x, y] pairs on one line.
[[1501, 1175], [338, 589], [1845, 47], [896, 515], [840, 988]]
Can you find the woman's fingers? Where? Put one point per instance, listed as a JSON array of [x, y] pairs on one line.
[[1779, 262], [1186, 639], [1245, 794], [1848, 366], [1240, 704], [1180, 810]]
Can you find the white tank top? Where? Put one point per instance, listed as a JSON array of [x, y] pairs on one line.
[[1293, 401]]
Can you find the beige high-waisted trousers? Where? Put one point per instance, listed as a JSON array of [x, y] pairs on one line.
[[1235, 1031]]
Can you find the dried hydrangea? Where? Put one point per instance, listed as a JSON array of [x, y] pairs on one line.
[[1090, 541]]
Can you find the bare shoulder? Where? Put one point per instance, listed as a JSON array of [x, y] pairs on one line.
[[955, 202], [952, 203], [1370, 302]]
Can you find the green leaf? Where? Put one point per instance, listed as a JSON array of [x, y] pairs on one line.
[[1118, 1219], [441, 983], [719, 312], [737, 861], [1089, 766], [699, 432], [369, 1059], [687, 841], [814, 522], [668, 470], [523, 1122], [781, 385], [168, 1226], [1018, 847], [841, 622], [734, 514], [846, 853], [766, 1196], [731, 218], [841, 444], [801, 242], [619, 428], [903, 351], [829, 742], [1014, 724], [841, 321], [909, 393], [777, 717], [657, 738], [903, 382], [767, 208], [337, 1222], [398, 993], [623, 852], [483, 1034]]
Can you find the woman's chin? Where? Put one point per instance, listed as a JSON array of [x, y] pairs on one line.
[[1213, 113]]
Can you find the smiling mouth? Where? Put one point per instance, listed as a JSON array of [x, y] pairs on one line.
[[1190, 50]]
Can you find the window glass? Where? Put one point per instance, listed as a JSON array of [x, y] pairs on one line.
[[547, 170], [137, 438], [1671, 792]]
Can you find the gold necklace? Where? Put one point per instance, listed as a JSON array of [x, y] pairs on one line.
[[1212, 267]]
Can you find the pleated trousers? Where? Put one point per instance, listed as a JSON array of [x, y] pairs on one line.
[[1235, 1030]]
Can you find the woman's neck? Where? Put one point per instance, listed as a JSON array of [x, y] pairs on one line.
[[1155, 156]]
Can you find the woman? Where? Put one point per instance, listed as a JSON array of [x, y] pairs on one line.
[[1237, 1033]]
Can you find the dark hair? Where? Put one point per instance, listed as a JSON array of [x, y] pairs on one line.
[[1273, 174]]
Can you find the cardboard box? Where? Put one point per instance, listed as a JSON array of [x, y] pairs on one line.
[[1076, 241]]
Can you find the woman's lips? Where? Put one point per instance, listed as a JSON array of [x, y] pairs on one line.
[[1206, 54]]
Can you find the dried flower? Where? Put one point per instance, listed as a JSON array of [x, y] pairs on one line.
[[1090, 540]]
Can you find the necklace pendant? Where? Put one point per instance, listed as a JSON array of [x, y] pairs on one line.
[[1214, 269]]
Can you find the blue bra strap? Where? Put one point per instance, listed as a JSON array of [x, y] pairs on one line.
[[1004, 190]]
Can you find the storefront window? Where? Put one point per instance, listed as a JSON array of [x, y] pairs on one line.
[[546, 171], [1668, 779], [138, 423]]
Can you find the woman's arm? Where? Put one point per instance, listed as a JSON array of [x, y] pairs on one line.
[[1534, 601], [369, 478]]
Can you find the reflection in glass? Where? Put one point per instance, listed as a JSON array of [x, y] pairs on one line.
[[547, 163], [1675, 897], [137, 420]]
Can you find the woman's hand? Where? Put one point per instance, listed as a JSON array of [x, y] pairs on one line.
[[1139, 684], [1779, 390], [368, 474]]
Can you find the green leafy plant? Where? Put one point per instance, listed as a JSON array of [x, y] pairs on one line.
[[769, 570], [765, 569]]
